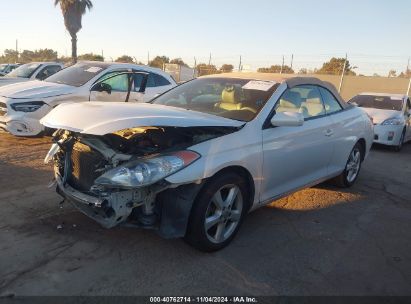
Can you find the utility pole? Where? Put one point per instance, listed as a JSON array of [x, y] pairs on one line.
[[409, 88], [148, 58], [209, 60], [102, 54], [408, 67], [282, 66], [292, 59], [343, 73], [239, 65], [17, 51]]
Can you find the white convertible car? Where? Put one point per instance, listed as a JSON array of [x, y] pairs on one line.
[[194, 162], [391, 114], [22, 105]]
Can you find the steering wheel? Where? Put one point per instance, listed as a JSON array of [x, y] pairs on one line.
[[249, 109]]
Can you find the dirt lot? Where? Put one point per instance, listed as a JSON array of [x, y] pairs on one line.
[[320, 241]]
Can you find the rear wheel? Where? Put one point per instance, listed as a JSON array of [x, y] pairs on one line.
[[352, 169], [217, 213]]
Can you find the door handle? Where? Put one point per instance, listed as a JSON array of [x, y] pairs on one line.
[[329, 132]]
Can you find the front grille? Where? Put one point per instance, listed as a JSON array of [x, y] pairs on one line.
[[85, 165]]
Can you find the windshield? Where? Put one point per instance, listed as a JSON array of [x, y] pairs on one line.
[[3, 67], [238, 99], [78, 74], [24, 71], [378, 102]]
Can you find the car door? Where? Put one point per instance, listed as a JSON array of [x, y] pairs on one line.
[[47, 71], [296, 156], [113, 86], [156, 84], [119, 86]]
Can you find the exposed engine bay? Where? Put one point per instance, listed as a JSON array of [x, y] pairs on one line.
[[119, 178]]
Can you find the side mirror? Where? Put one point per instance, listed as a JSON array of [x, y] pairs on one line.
[[102, 87], [287, 119]]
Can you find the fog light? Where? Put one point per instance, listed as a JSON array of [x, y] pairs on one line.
[[390, 135]]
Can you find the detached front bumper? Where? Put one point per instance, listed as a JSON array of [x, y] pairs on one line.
[[387, 135]]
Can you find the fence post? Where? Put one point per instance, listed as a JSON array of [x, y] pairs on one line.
[[409, 87]]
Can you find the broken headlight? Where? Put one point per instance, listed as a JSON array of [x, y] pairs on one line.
[[146, 171]]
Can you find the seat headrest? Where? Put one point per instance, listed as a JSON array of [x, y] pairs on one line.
[[291, 100], [313, 97], [228, 95]]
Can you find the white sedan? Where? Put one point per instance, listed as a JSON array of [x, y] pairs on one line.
[[22, 105], [6, 68], [194, 162], [31, 71], [391, 114]]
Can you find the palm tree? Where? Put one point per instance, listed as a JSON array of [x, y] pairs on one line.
[[73, 11]]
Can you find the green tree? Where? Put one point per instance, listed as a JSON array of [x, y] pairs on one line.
[[179, 61], [91, 57], [73, 11], [392, 73], [285, 69], [38, 55], [125, 59], [335, 67], [159, 61], [227, 68], [206, 69], [9, 56]]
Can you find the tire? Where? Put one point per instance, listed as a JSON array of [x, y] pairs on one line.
[[352, 168], [224, 215], [401, 142]]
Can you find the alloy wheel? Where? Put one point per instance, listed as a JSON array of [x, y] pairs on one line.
[[353, 165], [223, 213]]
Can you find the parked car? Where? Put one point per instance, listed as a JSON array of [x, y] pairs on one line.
[[7, 68], [31, 71], [23, 105], [391, 114], [194, 162]]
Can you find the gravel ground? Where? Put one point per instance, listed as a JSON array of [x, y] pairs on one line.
[[319, 241]]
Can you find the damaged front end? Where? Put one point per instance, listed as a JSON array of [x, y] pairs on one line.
[[119, 178]]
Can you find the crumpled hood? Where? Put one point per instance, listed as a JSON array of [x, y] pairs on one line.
[[35, 89], [10, 80], [379, 115], [100, 118]]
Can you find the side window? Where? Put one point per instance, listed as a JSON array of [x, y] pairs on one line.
[[160, 80], [48, 71], [331, 104], [302, 99], [118, 83], [138, 79]]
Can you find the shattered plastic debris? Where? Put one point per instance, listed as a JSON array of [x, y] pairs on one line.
[[74, 225], [59, 227]]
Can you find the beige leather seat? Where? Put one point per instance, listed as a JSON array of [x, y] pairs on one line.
[[314, 105], [230, 99], [290, 102]]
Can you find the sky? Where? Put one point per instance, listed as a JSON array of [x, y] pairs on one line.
[[376, 35]]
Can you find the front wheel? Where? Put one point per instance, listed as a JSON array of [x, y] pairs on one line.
[[352, 169], [217, 213], [400, 143]]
